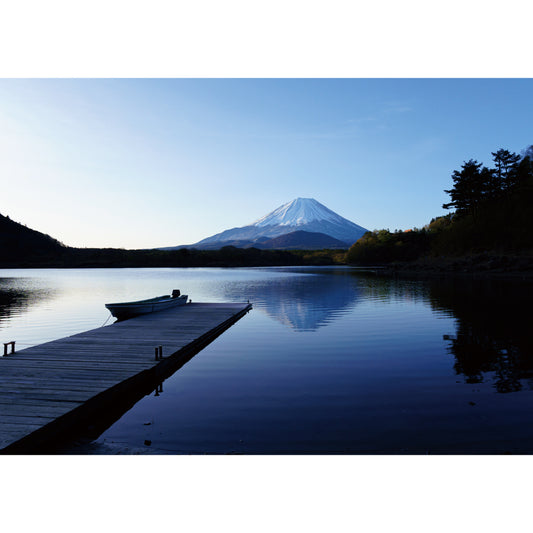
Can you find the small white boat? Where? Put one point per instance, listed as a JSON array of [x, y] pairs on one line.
[[125, 310]]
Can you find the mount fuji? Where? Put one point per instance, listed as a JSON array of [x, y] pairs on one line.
[[303, 217]]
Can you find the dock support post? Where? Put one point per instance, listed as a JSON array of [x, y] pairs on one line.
[[6, 344]]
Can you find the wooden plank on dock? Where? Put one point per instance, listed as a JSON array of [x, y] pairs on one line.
[[50, 389]]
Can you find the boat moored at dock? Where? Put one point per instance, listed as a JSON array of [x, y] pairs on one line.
[[125, 310]]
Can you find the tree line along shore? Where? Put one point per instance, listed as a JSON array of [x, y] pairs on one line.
[[490, 230], [23, 247]]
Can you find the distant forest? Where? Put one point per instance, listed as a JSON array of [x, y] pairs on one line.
[[493, 213], [22, 247]]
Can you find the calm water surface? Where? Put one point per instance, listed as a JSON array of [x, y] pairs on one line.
[[330, 360]]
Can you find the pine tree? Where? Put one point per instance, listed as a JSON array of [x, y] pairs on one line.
[[470, 187], [506, 166]]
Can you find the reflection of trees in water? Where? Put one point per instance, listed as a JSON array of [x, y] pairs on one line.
[[493, 323], [478, 354], [391, 289], [492, 329], [17, 295]]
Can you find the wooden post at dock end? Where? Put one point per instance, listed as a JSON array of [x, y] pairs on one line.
[[159, 353], [6, 344]]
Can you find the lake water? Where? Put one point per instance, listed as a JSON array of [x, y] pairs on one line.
[[330, 360]]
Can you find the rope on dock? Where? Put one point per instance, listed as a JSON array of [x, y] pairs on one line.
[[110, 315]]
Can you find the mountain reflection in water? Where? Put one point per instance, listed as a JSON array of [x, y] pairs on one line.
[[303, 302]]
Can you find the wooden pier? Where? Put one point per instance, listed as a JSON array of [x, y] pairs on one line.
[[50, 391]]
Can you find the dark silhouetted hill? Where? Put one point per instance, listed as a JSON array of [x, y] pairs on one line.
[[19, 242]]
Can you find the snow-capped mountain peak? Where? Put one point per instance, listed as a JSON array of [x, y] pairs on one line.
[[297, 213], [300, 215]]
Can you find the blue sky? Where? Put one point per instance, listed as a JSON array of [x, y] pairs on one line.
[[146, 163]]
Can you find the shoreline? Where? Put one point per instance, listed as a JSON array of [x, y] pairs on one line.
[[478, 266]]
